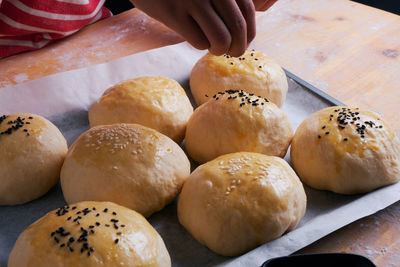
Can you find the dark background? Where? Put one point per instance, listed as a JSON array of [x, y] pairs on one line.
[[118, 6], [388, 5]]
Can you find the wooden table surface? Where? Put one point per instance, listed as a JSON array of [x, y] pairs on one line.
[[348, 50]]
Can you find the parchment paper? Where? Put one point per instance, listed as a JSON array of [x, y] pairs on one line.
[[64, 98]]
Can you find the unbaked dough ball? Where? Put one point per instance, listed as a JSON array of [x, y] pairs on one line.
[[346, 150], [90, 234], [235, 121], [253, 72], [128, 164], [156, 102], [240, 201], [32, 151]]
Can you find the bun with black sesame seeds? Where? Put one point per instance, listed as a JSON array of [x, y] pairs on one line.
[[90, 234], [346, 150], [253, 72], [156, 102], [32, 151], [239, 201], [128, 164], [235, 121]]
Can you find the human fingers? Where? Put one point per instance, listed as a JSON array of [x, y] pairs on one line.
[[266, 5], [213, 28], [233, 18], [248, 11], [192, 33]]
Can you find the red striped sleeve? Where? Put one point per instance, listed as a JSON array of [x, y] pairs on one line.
[[31, 24]]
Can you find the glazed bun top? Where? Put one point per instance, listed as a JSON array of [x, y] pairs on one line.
[[253, 72], [346, 150], [128, 164], [153, 101], [235, 121], [239, 201], [32, 150], [90, 234]]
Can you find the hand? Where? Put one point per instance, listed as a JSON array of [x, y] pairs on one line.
[[221, 26], [263, 5]]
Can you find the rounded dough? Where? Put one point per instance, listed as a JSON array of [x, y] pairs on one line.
[[239, 201], [32, 151], [90, 234], [156, 102], [253, 72], [346, 150], [235, 121], [127, 164]]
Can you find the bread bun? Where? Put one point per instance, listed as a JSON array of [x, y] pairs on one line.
[[156, 102], [253, 72], [90, 234], [32, 151], [235, 121], [240, 201], [128, 164], [346, 150]]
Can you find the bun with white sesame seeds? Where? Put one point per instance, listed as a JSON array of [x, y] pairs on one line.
[[253, 72], [32, 151], [346, 150], [128, 164], [241, 200], [90, 234], [156, 102], [235, 121]]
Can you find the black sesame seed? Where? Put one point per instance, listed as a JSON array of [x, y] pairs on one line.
[[105, 210], [327, 133], [319, 137], [345, 139], [116, 241], [97, 224]]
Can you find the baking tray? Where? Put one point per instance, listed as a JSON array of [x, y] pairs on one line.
[[326, 212]]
